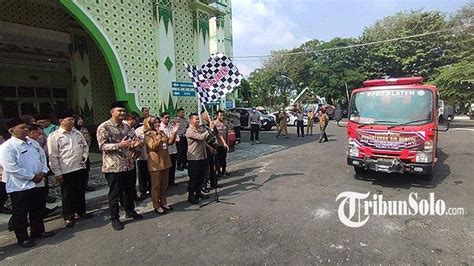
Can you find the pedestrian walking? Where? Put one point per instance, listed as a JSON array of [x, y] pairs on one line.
[[25, 168], [68, 153], [282, 124], [323, 124], [255, 125], [309, 127], [118, 144], [182, 145], [197, 156], [300, 123]]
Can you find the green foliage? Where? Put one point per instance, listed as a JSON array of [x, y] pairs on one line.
[[444, 58]]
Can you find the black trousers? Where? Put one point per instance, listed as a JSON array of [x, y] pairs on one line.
[[237, 133], [3, 194], [28, 203], [143, 176], [172, 171], [300, 128], [73, 194], [254, 130], [86, 174], [211, 171], [182, 146], [120, 184], [221, 157], [196, 172]]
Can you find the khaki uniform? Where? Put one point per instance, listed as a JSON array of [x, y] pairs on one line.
[[309, 128], [283, 124]]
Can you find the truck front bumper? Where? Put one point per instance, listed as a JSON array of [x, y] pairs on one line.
[[394, 166]]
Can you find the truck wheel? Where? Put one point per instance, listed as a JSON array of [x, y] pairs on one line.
[[427, 177], [359, 170]]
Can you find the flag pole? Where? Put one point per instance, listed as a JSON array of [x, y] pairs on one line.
[[199, 109]]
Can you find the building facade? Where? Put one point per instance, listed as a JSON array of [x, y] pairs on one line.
[[85, 54]]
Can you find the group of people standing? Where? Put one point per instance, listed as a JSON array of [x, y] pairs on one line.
[[24, 158], [154, 145], [282, 123]]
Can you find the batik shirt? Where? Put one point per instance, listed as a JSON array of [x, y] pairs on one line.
[[114, 159]]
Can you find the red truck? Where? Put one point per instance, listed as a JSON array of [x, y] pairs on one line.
[[392, 127]]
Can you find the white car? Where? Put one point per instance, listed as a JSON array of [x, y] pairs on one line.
[[291, 118]]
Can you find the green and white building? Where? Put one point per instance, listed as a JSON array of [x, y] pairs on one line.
[[85, 54]]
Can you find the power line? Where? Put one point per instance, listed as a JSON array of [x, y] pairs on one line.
[[355, 45]]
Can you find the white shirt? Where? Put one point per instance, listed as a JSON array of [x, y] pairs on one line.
[[141, 135], [68, 151], [21, 161], [172, 149]]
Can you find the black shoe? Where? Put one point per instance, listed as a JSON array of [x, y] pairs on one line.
[[5, 210], [193, 200], [167, 209], [27, 243], [325, 140], [202, 196], [41, 235], [69, 223], [117, 225], [162, 212], [134, 215], [85, 215], [89, 188], [50, 199]]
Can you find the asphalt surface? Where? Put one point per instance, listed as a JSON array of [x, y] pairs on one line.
[[283, 211]]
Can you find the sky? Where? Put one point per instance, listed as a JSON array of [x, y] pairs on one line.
[[260, 26]]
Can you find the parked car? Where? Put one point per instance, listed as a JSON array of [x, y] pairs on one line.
[[291, 118], [267, 121]]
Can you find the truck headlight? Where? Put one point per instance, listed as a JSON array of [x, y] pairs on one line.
[[353, 151], [428, 146], [423, 157]]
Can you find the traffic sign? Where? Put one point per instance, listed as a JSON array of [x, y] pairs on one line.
[[182, 85], [184, 93]]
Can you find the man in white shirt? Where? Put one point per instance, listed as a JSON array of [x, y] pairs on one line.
[[171, 132], [142, 166], [68, 153], [25, 168]]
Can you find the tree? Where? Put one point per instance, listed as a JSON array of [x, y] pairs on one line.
[[419, 56]]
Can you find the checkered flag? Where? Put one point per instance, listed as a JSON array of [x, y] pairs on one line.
[[216, 78]]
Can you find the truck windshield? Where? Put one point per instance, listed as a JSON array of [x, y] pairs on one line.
[[392, 107]]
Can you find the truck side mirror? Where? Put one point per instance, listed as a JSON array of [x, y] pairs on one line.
[[338, 115]]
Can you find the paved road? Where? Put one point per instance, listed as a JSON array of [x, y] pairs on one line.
[[284, 211]]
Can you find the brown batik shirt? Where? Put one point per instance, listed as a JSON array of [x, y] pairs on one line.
[[114, 159]]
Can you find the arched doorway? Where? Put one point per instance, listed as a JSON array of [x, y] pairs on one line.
[[49, 61]]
